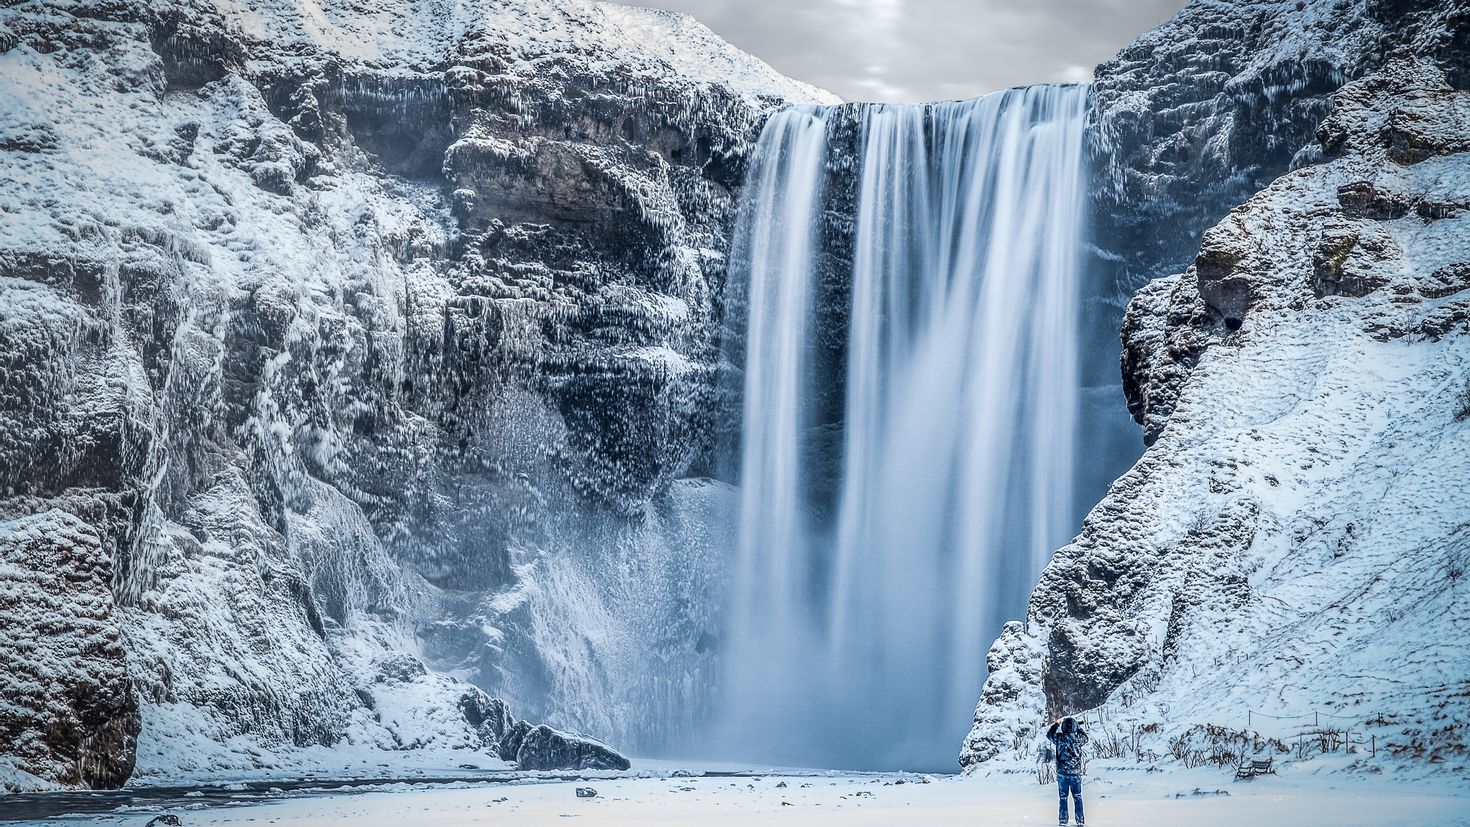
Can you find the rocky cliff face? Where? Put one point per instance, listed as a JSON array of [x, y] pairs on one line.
[[1295, 540], [324, 326], [65, 664], [1204, 111]]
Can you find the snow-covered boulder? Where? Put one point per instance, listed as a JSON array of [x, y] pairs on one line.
[[1295, 540], [545, 748]]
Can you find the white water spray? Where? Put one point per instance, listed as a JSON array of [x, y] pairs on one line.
[[868, 585]]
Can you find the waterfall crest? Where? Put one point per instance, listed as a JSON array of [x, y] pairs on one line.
[[904, 479]]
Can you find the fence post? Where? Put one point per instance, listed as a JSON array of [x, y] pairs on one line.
[[1374, 748], [1316, 721], [1247, 719]]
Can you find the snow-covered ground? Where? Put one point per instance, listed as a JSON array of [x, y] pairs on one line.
[[1113, 796]]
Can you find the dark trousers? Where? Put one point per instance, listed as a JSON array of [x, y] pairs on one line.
[[1072, 784]]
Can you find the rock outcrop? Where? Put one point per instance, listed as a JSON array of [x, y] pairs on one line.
[[1295, 540], [354, 334], [1205, 110], [1194, 117]]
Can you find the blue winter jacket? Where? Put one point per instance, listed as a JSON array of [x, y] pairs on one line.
[[1069, 749]]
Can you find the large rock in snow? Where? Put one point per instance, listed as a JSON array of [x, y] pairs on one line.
[[1296, 540], [544, 748], [359, 333]]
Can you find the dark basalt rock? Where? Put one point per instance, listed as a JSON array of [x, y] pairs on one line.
[[1203, 111], [544, 748], [531, 746], [1076, 680], [510, 743], [1361, 199], [488, 716]]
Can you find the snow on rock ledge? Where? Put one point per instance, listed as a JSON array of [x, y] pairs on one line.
[[1297, 537]]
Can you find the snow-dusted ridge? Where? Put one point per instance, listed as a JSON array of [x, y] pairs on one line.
[[404, 37], [695, 52]]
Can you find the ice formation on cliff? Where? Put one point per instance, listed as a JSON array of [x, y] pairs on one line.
[[327, 323]]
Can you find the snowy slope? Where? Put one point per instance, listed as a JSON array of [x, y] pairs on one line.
[[311, 314], [1294, 543]]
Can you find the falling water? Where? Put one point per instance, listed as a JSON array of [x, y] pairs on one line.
[[899, 499]]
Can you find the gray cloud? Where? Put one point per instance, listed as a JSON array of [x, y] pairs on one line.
[[916, 50]]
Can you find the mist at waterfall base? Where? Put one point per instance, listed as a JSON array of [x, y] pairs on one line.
[[910, 416]]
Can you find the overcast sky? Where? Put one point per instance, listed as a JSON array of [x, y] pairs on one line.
[[920, 50]]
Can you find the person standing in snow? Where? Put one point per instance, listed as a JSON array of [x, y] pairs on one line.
[[1068, 739]]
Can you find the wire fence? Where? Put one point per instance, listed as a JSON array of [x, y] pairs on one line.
[[1322, 732], [1265, 734]]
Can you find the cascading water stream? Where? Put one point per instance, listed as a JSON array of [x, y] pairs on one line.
[[885, 536]]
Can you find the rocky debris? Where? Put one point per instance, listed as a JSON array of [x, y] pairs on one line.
[[68, 710], [1293, 520], [332, 322], [586, 792]]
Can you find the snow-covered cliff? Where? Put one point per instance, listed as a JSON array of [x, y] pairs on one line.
[[1202, 112], [320, 326], [1295, 541]]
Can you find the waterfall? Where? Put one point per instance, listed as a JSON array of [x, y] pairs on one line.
[[904, 478]]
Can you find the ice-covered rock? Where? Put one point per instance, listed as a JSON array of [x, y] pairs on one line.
[[68, 710], [544, 748], [1295, 540], [353, 332]]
